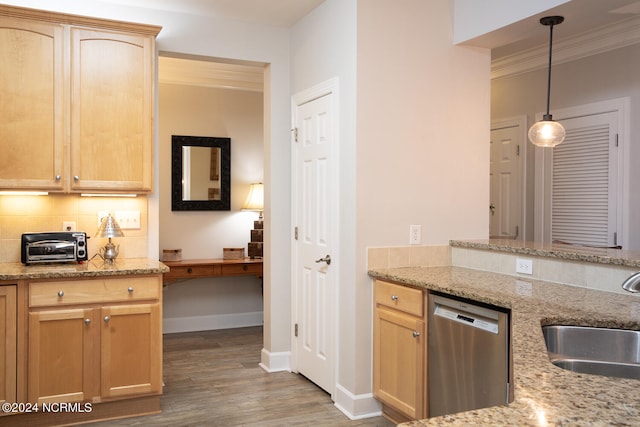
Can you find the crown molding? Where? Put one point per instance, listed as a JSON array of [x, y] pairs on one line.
[[599, 40]]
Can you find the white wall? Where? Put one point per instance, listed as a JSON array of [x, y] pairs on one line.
[[422, 126], [602, 77], [211, 303], [412, 144]]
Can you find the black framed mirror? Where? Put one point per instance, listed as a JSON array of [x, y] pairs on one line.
[[200, 173]]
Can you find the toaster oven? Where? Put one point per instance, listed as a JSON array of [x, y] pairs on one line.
[[55, 246]]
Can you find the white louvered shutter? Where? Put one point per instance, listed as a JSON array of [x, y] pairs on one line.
[[583, 200]]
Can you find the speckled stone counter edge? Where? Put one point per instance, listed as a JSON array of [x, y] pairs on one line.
[[94, 268], [559, 251]]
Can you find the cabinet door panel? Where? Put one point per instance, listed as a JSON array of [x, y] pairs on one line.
[[112, 122], [399, 361], [8, 344], [60, 355], [31, 90], [131, 350]]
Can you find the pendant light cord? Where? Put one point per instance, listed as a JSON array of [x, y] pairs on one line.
[[549, 68]]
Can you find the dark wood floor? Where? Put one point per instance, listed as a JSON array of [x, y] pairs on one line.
[[212, 378]]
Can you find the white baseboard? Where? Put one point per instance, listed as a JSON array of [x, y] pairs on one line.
[[211, 322], [356, 407], [275, 362]]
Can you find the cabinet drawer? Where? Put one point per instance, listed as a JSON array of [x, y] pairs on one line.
[[96, 291], [240, 269], [186, 272], [399, 297]]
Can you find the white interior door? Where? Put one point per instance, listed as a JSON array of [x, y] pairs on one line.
[[507, 151], [315, 257]]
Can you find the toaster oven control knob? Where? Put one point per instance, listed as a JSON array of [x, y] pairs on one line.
[[60, 294]]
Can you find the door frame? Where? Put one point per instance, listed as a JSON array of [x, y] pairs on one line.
[[328, 87], [521, 123]]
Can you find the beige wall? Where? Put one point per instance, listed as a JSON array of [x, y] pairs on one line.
[[198, 111], [21, 214]]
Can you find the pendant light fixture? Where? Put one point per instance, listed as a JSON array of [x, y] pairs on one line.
[[547, 132]]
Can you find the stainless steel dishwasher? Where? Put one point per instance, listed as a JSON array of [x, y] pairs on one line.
[[468, 355]]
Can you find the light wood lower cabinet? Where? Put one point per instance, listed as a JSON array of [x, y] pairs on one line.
[[94, 340], [399, 356], [8, 343]]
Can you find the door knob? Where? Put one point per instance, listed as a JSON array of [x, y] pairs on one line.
[[326, 259]]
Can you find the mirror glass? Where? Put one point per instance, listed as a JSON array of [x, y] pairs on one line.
[[201, 173]]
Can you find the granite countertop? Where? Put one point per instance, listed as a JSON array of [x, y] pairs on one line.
[[125, 266], [545, 395], [556, 250]]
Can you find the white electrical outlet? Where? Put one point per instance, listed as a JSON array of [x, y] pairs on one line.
[[524, 266], [68, 226], [415, 234]]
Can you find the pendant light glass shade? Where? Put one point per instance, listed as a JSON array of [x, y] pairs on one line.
[[547, 132]]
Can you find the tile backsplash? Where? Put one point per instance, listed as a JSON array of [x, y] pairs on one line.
[[20, 214]]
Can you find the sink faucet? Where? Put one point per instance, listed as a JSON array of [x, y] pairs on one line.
[[632, 283]]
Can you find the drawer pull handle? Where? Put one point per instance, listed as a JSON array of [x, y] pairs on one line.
[[189, 270], [245, 267], [60, 294], [416, 334], [130, 289], [87, 321], [106, 319], [394, 297]]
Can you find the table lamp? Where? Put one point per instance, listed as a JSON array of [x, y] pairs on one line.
[[109, 228]]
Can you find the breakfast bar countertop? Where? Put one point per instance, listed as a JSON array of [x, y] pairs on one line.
[[16, 271], [545, 395]]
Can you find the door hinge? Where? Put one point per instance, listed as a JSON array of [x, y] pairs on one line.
[[295, 330], [517, 150], [615, 238], [295, 134], [295, 233], [616, 139]]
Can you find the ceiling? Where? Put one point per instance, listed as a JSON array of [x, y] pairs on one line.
[[582, 18], [278, 13]]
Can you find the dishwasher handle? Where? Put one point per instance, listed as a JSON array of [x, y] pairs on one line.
[[466, 318]]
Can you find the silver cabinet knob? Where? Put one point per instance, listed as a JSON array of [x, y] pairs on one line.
[[416, 334], [87, 321], [58, 177], [106, 319], [394, 297], [60, 294], [76, 178], [130, 289]]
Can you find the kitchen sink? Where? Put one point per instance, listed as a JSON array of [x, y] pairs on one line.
[[597, 351]]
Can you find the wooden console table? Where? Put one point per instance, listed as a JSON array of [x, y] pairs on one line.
[[196, 268]]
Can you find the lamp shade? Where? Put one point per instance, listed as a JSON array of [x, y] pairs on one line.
[[546, 133], [109, 228], [255, 199]]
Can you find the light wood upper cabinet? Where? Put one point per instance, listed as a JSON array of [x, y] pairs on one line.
[[77, 103], [111, 111], [32, 107]]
